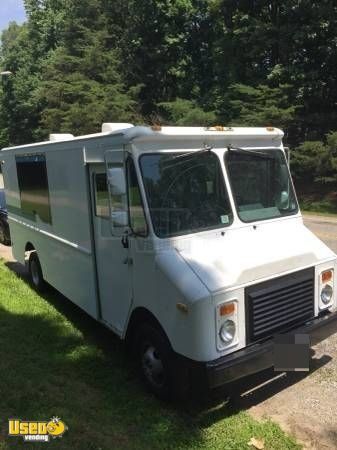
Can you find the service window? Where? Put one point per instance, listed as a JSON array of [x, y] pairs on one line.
[[33, 186]]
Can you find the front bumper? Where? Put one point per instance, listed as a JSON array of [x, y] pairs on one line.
[[258, 357]]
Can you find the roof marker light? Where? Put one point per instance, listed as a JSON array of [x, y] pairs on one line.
[[219, 128]]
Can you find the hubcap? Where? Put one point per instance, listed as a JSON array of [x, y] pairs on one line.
[[153, 367], [35, 273]]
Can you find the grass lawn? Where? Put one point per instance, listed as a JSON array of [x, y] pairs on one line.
[[315, 213], [55, 360], [317, 198]]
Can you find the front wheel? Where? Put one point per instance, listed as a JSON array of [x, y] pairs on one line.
[[35, 272], [155, 360]]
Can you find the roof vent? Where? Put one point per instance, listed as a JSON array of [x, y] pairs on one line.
[[61, 137], [111, 127]]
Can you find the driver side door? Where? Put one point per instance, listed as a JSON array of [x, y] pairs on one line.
[[110, 210]]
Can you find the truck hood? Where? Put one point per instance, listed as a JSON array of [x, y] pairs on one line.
[[243, 255]]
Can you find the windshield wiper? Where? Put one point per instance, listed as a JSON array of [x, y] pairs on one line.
[[181, 158], [249, 152]]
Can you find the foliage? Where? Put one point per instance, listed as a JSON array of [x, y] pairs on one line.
[[183, 112], [257, 106], [185, 62], [316, 161]]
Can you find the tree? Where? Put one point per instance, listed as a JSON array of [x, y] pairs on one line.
[[257, 106], [19, 106], [153, 49], [82, 86], [186, 113]]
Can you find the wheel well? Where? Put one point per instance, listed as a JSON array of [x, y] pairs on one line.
[[29, 247], [28, 250], [138, 316]]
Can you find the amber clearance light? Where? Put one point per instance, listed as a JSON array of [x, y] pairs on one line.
[[227, 309], [327, 276]]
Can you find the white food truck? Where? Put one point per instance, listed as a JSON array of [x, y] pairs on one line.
[[188, 243]]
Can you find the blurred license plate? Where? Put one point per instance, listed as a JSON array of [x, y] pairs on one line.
[[291, 352]]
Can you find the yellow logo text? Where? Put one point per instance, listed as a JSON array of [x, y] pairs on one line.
[[37, 431]]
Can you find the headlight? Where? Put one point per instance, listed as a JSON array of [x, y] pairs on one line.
[[326, 294], [326, 286], [227, 331]]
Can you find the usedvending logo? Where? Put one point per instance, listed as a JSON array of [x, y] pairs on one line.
[[37, 431]]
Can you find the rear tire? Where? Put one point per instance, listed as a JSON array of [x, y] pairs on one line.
[[3, 235], [155, 360], [35, 272]]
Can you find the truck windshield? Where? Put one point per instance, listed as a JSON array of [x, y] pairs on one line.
[[185, 194], [261, 184]]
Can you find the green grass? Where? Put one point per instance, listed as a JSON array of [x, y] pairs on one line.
[[320, 199], [319, 206], [315, 213], [55, 360]]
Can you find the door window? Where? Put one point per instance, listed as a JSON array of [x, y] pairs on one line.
[[118, 196], [137, 215], [102, 196], [120, 203]]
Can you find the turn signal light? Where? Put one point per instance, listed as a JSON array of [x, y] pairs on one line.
[[227, 309], [326, 276]]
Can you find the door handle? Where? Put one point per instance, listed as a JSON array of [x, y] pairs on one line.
[[125, 241], [128, 261]]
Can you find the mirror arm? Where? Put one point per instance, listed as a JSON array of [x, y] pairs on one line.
[[125, 240], [133, 233]]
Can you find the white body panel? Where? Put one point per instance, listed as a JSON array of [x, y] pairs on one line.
[[65, 247], [86, 262]]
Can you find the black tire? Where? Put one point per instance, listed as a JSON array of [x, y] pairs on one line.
[[155, 360], [3, 235], [35, 272]]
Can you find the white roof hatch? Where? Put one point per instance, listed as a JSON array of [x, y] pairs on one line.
[[112, 127], [60, 137]]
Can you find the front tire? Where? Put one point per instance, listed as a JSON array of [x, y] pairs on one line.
[[155, 360], [35, 272]]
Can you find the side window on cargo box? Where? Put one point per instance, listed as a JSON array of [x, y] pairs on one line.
[[102, 196], [33, 186]]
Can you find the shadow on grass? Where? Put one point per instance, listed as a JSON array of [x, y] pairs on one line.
[[62, 362]]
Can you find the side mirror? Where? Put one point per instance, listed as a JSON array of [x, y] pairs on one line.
[[120, 219], [284, 200], [116, 180]]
